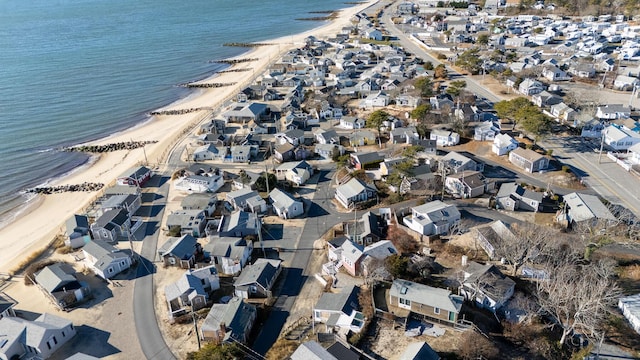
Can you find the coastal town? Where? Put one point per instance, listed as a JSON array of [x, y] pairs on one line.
[[430, 180]]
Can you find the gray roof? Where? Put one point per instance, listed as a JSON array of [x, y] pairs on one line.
[[509, 189], [234, 315], [104, 253], [240, 220], [186, 284], [77, 223], [31, 333], [185, 218], [457, 158], [584, 207], [527, 154], [352, 251], [242, 195], [380, 250], [261, 272], [54, 276], [135, 172], [115, 201], [6, 302], [437, 210], [228, 247], [367, 158], [426, 295], [282, 199], [419, 351], [353, 187], [345, 301], [311, 350], [111, 217], [489, 280], [198, 201], [82, 356], [183, 247], [122, 190]]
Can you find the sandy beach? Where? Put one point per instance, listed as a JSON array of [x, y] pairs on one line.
[[35, 229]]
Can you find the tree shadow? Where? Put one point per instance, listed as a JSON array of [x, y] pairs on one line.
[[88, 340]]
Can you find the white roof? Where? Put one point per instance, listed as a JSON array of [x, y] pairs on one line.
[[585, 207]]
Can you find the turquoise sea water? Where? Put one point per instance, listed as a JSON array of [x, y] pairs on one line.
[[74, 71]]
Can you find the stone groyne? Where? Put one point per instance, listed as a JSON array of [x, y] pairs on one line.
[[240, 44], [127, 145], [84, 187], [208, 85], [234, 70], [178, 111], [234, 61]]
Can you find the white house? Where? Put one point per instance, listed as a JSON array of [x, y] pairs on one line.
[[209, 152], [295, 172], [613, 111], [353, 192], [199, 183], [619, 138], [352, 123], [37, 339], [445, 137], [104, 259], [627, 83], [503, 143], [433, 218], [530, 87], [630, 307], [285, 205]]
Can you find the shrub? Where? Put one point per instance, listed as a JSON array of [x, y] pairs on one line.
[[174, 231], [441, 56], [565, 168], [30, 272]]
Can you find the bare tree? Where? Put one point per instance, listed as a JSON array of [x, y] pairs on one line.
[[529, 241], [576, 295], [476, 346]]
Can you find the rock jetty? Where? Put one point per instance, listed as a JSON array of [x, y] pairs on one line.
[[178, 111], [127, 145], [240, 44], [234, 61], [84, 187], [234, 70], [208, 85]]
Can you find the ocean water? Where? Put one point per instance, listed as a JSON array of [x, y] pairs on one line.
[[75, 71]]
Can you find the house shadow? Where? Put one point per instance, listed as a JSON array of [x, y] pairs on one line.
[[315, 210], [149, 197], [27, 315], [89, 341], [149, 210], [272, 231], [579, 173], [147, 229], [498, 172], [303, 191], [322, 177], [144, 267], [267, 331], [100, 291], [475, 218]]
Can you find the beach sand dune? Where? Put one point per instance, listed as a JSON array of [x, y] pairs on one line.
[[36, 228]]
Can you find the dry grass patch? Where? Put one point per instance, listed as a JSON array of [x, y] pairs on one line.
[[282, 349]]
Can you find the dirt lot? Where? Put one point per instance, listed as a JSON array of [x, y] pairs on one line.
[[390, 342]]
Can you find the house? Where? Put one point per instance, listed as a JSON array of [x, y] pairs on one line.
[[387, 167], [405, 135], [296, 172], [503, 143], [432, 218], [256, 281], [60, 281], [422, 182], [445, 137], [202, 202], [486, 285], [373, 34], [340, 312], [352, 123], [553, 73], [367, 230], [582, 70], [245, 112], [362, 138], [467, 184], [619, 138], [377, 99], [129, 202], [613, 111], [625, 83], [630, 307], [180, 251], [209, 152], [190, 222], [326, 136], [455, 162], [105, 260], [350, 258], [433, 303], [528, 160], [239, 224], [6, 306], [487, 131], [419, 351], [229, 322], [375, 254], [229, 254], [634, 152], [37, 339], [530, 87], [328, 151], [244, 179], [246, 199], [200, 184], [368, 160], [581, 208], [191, 291], [545, 99], [135, 177], [491, 236], [408, 101], [242, 153], [112, 225], [77, 231], [285, 205], [512, 196], [354, 192], [294, 137], [284, 152], [562, 111], [311, 350]]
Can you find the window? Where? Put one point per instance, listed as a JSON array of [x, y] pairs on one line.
[[48, 345], [55, 341], [63, 335], [405, 302], [436, 310], [110, 270]]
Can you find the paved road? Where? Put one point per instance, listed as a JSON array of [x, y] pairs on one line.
[[151, 340]]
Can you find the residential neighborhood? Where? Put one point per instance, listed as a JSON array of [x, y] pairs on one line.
[[428, 183]]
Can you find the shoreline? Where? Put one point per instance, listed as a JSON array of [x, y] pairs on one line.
[[46, 217]]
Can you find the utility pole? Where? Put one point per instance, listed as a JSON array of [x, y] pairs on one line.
[[195, 326], [604, 131]]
